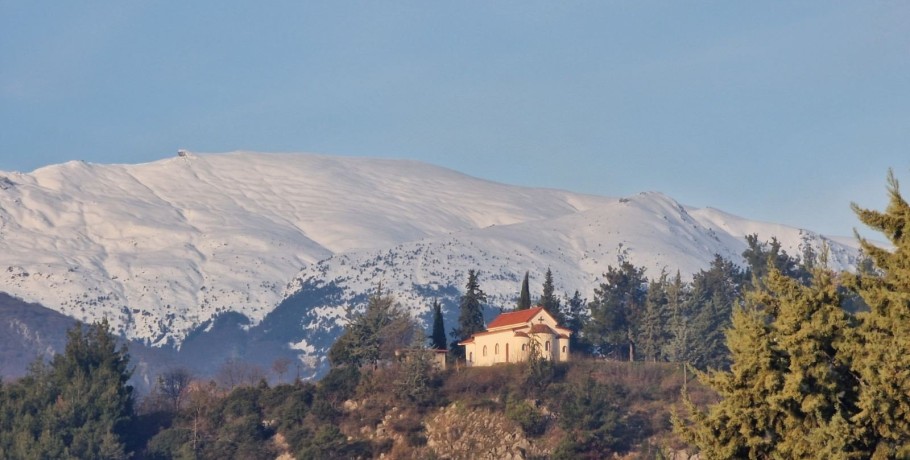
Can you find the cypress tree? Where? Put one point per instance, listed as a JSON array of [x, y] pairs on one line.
[[524, 299], [438, 338], [880, 355]]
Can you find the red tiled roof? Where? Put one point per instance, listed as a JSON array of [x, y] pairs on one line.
[[514, 317], [541, 329]]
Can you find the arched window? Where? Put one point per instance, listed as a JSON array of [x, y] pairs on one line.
[[563, 348], [523, 347], [471, 356], [496, 349], [546, 346], [484, 350]]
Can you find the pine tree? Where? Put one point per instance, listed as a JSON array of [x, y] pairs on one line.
[[438, 338], [470, 317], [715, 292], [616, 310], [524, 299], [678, 348], [653, 333], [787, 393], [78, 406], [575, 316], [549, 301], [374, 334], [881, 355]]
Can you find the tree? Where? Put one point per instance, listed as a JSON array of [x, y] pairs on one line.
[[809, 378], [524, 298], [714, 293], [373, 335], [787, 394], [470, 317], [280, 367], [78, 406], [653, 333], [679, 342], [762, 256], [880, 355], [414, 377], [575, 316], [173, 384], [549, 301], [438, 337], [615, 310]]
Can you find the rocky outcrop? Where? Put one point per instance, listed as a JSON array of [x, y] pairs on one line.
[[458, 432]]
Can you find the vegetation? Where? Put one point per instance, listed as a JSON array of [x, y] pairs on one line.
[[791, 359], [809, 378], [77, 406]]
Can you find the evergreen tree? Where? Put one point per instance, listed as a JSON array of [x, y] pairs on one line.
[[549, 300], [470, 316], [653, 333], [881, 354], [678, 348], [374, 334], [438, 338], [787, 393], [575, 316], [524, 299], [78, 406], [616, 310], [714, 293], [762, 256]]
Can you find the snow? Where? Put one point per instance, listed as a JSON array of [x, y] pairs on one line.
[[160, 248]]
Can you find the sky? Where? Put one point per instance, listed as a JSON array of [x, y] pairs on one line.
[[775, 111]]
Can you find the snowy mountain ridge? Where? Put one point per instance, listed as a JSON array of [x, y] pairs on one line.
[[163, 247]]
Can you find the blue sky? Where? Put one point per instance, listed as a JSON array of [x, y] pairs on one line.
[[778, 111]]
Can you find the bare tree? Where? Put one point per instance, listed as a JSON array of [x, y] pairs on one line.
[[173, 384], [280, 367]]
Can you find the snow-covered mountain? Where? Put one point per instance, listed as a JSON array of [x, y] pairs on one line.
[[162, 248]]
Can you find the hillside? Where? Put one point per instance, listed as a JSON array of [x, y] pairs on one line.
[[278, 246]]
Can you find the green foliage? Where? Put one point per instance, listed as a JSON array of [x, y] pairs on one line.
[[592, 416], [652, 331], [810, 379], [574, 316], [524, 298], [618, 302], [373, 335], [470, 316], [79, 406], [880, 355], [531, 420], [414, 382], [714, 294], [787, 389], [438, 337], [549, 301]]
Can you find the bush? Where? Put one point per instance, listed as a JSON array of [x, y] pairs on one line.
[[531, 420]]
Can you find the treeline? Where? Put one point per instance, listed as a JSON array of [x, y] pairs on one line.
[[662, 319]]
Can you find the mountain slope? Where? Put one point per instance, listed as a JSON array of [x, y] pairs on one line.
[[162, 249]]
